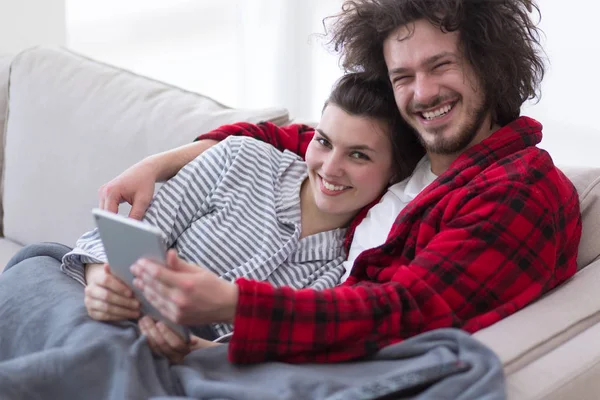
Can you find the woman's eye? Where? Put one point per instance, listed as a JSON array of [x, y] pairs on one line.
[[323, 142], [359, 156]]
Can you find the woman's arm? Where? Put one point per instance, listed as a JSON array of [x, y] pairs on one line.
[[136, 184], [172, 210]]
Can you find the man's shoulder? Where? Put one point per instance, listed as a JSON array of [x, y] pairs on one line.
[[532, 171]]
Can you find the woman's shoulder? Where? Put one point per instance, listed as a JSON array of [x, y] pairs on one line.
[[253, 151]]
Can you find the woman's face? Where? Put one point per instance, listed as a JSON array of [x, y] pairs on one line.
[[349, 161]]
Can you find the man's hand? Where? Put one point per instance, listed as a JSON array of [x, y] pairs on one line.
[[186, 293], [163, 341], [134, 186], [107, 298]]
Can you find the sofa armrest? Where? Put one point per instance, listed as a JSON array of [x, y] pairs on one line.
[[549, 322]]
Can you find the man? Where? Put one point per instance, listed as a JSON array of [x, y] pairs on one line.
[[484, 226]]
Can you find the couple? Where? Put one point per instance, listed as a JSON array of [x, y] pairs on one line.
[[246, 210], [483, 226]]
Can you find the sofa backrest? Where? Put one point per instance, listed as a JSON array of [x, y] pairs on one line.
[[5, 61], [587, 182], [74, 123]]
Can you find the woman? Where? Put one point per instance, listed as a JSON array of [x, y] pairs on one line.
[[273, 218]]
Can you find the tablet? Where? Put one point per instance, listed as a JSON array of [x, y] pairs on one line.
[[125, 241]]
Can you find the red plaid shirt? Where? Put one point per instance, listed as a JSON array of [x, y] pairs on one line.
[[493, 233]]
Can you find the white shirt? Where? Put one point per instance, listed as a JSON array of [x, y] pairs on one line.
[[374, 229]]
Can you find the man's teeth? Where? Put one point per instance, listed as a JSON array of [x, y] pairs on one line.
[[329, 186], [429, 115]]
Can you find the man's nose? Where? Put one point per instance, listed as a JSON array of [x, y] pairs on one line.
[[426, 89]]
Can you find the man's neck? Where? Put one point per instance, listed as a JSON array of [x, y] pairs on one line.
[[441, 162]]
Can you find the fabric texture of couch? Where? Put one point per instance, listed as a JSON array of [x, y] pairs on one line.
[[69, 124]]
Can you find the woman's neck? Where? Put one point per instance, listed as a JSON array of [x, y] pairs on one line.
[[313, 220]]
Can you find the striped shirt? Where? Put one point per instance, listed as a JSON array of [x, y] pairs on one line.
[[235, 210]]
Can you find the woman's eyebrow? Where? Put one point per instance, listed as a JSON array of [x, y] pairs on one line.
[[355, 147]]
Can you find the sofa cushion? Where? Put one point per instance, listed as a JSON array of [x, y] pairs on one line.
[[536, 341], [543, 325], [587, 183], [75, 123]]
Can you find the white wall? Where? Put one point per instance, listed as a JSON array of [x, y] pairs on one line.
[[283, 60], [245, 53], [26, 23], [571, 89], [255, 53]]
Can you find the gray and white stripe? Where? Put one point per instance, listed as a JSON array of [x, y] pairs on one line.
[[235, 210]]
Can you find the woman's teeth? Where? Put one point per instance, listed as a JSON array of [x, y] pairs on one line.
[[329, 186], [429, 115]]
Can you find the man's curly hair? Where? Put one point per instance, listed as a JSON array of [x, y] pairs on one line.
[[497, 37]]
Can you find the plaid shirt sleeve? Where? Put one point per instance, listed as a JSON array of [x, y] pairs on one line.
[[493, 254], [294, 138]]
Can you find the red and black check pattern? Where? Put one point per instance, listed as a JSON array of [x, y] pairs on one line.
[[493, 233]]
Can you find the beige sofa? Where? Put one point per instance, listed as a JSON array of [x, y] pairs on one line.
[[69, 124]]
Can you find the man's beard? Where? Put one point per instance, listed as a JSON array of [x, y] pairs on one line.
[[460, 141]]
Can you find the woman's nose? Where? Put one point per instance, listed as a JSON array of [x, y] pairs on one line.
[[332, 165]]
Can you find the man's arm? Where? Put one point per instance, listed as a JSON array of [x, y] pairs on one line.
[[294, 138], [499, 252]]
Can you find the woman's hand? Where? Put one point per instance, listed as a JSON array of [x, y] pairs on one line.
[[135, 186], [186, 293], [163, 341], [107, 298]]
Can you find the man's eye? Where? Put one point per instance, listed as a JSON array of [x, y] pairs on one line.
[[359, 156], [442, 64]]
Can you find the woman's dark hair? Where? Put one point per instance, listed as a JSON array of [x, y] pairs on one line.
[[497, 37], [362, 95]]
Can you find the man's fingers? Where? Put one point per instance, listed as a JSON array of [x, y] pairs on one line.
[[150, 271], [159, 302], [174, 263]]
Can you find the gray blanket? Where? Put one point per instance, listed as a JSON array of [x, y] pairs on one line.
[[51, 349]]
